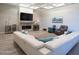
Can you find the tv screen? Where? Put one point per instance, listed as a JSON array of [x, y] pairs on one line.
[[26, 17]]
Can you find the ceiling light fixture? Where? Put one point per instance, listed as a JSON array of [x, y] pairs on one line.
[[58, 4], [48, 7], [42, 5], [33, 7], [24, 5]]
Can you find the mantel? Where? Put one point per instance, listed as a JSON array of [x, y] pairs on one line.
[[26, 22]]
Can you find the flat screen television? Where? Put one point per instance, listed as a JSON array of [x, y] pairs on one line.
[[26, 17]]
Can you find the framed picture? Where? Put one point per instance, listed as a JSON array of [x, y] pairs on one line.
[[57, 20]]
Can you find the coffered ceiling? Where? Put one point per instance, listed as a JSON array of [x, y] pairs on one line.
[[42, 5]]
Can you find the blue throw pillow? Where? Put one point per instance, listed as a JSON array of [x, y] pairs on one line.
[[46, 39]]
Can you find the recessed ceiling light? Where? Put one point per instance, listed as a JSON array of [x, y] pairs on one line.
[[48, 7], [58, 4], [42, 5], [24, 5], [33, 7]]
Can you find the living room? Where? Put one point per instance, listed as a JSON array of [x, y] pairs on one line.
[[43, 19]]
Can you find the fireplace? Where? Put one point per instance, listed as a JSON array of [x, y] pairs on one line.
[[26, 27]]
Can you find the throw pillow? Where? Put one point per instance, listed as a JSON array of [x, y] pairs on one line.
[[46, 39]]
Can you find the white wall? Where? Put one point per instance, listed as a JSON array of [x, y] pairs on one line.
[[8, 15], [36, 16], [25, 10], [69, 13]]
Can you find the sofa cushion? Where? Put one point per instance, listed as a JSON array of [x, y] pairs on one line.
[[55, 43]]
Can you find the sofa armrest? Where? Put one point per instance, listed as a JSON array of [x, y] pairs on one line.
[[27, 38], [64, 44]]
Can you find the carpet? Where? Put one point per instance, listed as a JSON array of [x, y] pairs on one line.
[[8, 46]]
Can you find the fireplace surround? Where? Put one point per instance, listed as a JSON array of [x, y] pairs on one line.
[[26, 25]]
